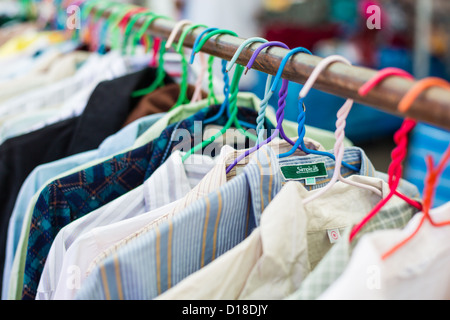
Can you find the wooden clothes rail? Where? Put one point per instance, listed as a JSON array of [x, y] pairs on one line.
[[432, 106]]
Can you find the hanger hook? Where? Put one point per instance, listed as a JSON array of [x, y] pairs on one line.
[[241, 48], [200, 41], [176, 28], [418, 88], [318, 70], [260, 48], [268, 94], [129, 27], [380, 76], [186, 32]]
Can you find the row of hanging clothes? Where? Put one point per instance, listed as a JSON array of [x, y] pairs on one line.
[[127, 174]]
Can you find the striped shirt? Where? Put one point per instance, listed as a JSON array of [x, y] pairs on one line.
[[160, 258], [170, 182], [175, 247]]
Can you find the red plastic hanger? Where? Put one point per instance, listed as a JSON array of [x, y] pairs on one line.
[[399, 153], [433, 173]]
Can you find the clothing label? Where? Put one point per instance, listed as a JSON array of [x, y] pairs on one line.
[[309, 172], [333, 235]]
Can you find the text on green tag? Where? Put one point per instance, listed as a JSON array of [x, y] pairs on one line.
[[304, 171]]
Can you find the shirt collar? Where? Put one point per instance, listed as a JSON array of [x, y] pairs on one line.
[[173, 180], [125, 138]]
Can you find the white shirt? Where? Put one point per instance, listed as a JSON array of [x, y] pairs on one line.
[[64, 99], [56, 67], [420, 270], [282, 251], [170, 182]]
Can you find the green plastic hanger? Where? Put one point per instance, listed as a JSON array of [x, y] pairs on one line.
[[182, 97], [160, 72], [102, 36], [212, 99], [234, 90], [129, 28]]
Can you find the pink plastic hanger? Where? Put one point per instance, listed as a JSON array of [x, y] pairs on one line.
[[339, 147]]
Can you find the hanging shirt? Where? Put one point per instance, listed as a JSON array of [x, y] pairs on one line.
[[41, 174], [417, 271], [72, 197], [173, 116], [67, 137], [169, 183], [157, 260], [267, 265], [176, 247], [249, 100], [56, 67], [61, 100], [100, 241]]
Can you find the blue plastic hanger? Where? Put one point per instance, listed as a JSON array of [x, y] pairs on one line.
[[301, 117]]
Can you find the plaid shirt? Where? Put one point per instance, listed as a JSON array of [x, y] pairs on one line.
[[71, 197]]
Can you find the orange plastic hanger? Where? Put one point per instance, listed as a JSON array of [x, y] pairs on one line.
[[399, 153], [433, 175]]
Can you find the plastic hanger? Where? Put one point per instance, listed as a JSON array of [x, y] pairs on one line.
[[401, 138], [203, 63], [182, 97], [230, 65], [160, 72], [301, 106], [199, 42], [399, 153], [264, 103], [268, 95], [212, 99], [238, 52], [101, 41], [433, 175], [339, 133], [128, 29], [232, 119], [85, 12]]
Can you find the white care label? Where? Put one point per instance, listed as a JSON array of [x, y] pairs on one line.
[[333, 235]]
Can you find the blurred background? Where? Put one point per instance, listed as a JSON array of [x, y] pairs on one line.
[[413, 35]]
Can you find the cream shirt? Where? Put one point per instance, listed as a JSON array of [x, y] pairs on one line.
[[282, 251]]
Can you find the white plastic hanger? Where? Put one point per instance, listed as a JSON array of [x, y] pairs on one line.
[[339, 147]]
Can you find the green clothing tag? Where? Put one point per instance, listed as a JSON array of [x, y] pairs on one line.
[[308, 171]]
